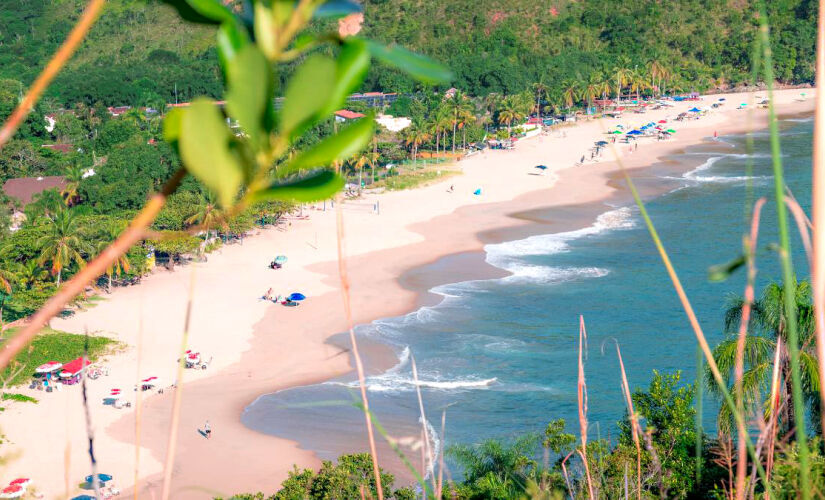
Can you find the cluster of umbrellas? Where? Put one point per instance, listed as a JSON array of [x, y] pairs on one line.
[[16, 488], [101, 479]]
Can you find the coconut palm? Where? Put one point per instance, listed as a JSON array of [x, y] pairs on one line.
[[361, 160], [415, 135], [465, 118], [121, 263], [457, 105], [540, 91], [208, 215], [622, 75], [62, 244], [570, 93], [658, 72], [29, 272], [6, 279], [768, 325], [592, 88], [74, 174], [509, 111]]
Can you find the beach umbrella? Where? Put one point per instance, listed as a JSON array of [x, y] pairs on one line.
[[722, 98], [12, 491], [662, 121], [84, 497], [21, 481], [671, 131], [280, 259], [694, 110], [544, 167], [48, 367], [100, 477], [477, 192], [297, 296], [601, 143], [634, 132]]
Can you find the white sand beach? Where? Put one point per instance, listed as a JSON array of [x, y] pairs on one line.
[[256, 347]]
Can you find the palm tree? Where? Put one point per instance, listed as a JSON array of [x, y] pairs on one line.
[[622, 75], [509, 112], [74, 174], [465, 118], [457, 104], [592, 89], [6, 278], [657, 72], [570, 94], [767, 326], [62, 244], [29, 272], [208, 215], [362, 159], [121, 263], [539, 90], [414, 136]]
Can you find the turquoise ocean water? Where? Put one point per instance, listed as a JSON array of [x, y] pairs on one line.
[[500, 354]]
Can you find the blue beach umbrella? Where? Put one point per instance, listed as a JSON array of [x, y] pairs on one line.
[[477, 192], [280, 259], [297, 296], [100, 477], [634, 132], [694, 110], [541, 167], [84, 497]]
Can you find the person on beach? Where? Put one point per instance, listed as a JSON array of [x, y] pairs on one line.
[[636, 147], [452, 187], [268, 295], [207, 430]]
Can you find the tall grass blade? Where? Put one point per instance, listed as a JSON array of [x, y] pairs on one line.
[[582, 394], [739, 363], [359, 365], [172, 441], [700, 430], [634, 425], [818, 198], [430, 465], [788, 276], [691, 314]]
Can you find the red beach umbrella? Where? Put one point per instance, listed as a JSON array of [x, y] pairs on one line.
[[662, 121], [12, 491], [21, 481]]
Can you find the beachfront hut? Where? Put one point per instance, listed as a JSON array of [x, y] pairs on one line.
[[72, 370]]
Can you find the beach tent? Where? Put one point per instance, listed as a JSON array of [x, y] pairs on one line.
[[71, 370], [48, 367], [296, 296]]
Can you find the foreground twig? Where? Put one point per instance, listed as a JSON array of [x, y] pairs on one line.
[[51, 70], [93, 269], [582, 394], [634, 424]]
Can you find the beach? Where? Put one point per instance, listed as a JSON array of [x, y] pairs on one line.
[[257, 347]]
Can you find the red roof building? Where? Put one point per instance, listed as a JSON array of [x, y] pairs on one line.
[[74, 367], [345, 114], [25, 188]]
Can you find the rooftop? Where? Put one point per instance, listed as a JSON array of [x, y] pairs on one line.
[[25, 188]]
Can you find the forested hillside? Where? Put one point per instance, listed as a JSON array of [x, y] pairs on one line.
[[140, 52]]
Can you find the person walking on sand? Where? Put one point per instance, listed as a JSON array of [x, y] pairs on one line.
[[207, 430]]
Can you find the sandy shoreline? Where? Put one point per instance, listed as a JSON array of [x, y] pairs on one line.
[[259, 348]]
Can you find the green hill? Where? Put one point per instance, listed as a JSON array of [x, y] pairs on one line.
[[140, 52]]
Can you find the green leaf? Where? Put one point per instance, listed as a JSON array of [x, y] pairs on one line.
[[419, 67], [337, 8], [171, 125], [250, 82], [722, 272], [204, 149], [231, 39], [201, 11], [351, 68], [338, 147], [316, 186], [307, 93], [265, 29]]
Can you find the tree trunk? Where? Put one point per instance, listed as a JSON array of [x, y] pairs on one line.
[[110, 282], [437, 135], [464, 137], [455, 121], [59, 273]]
